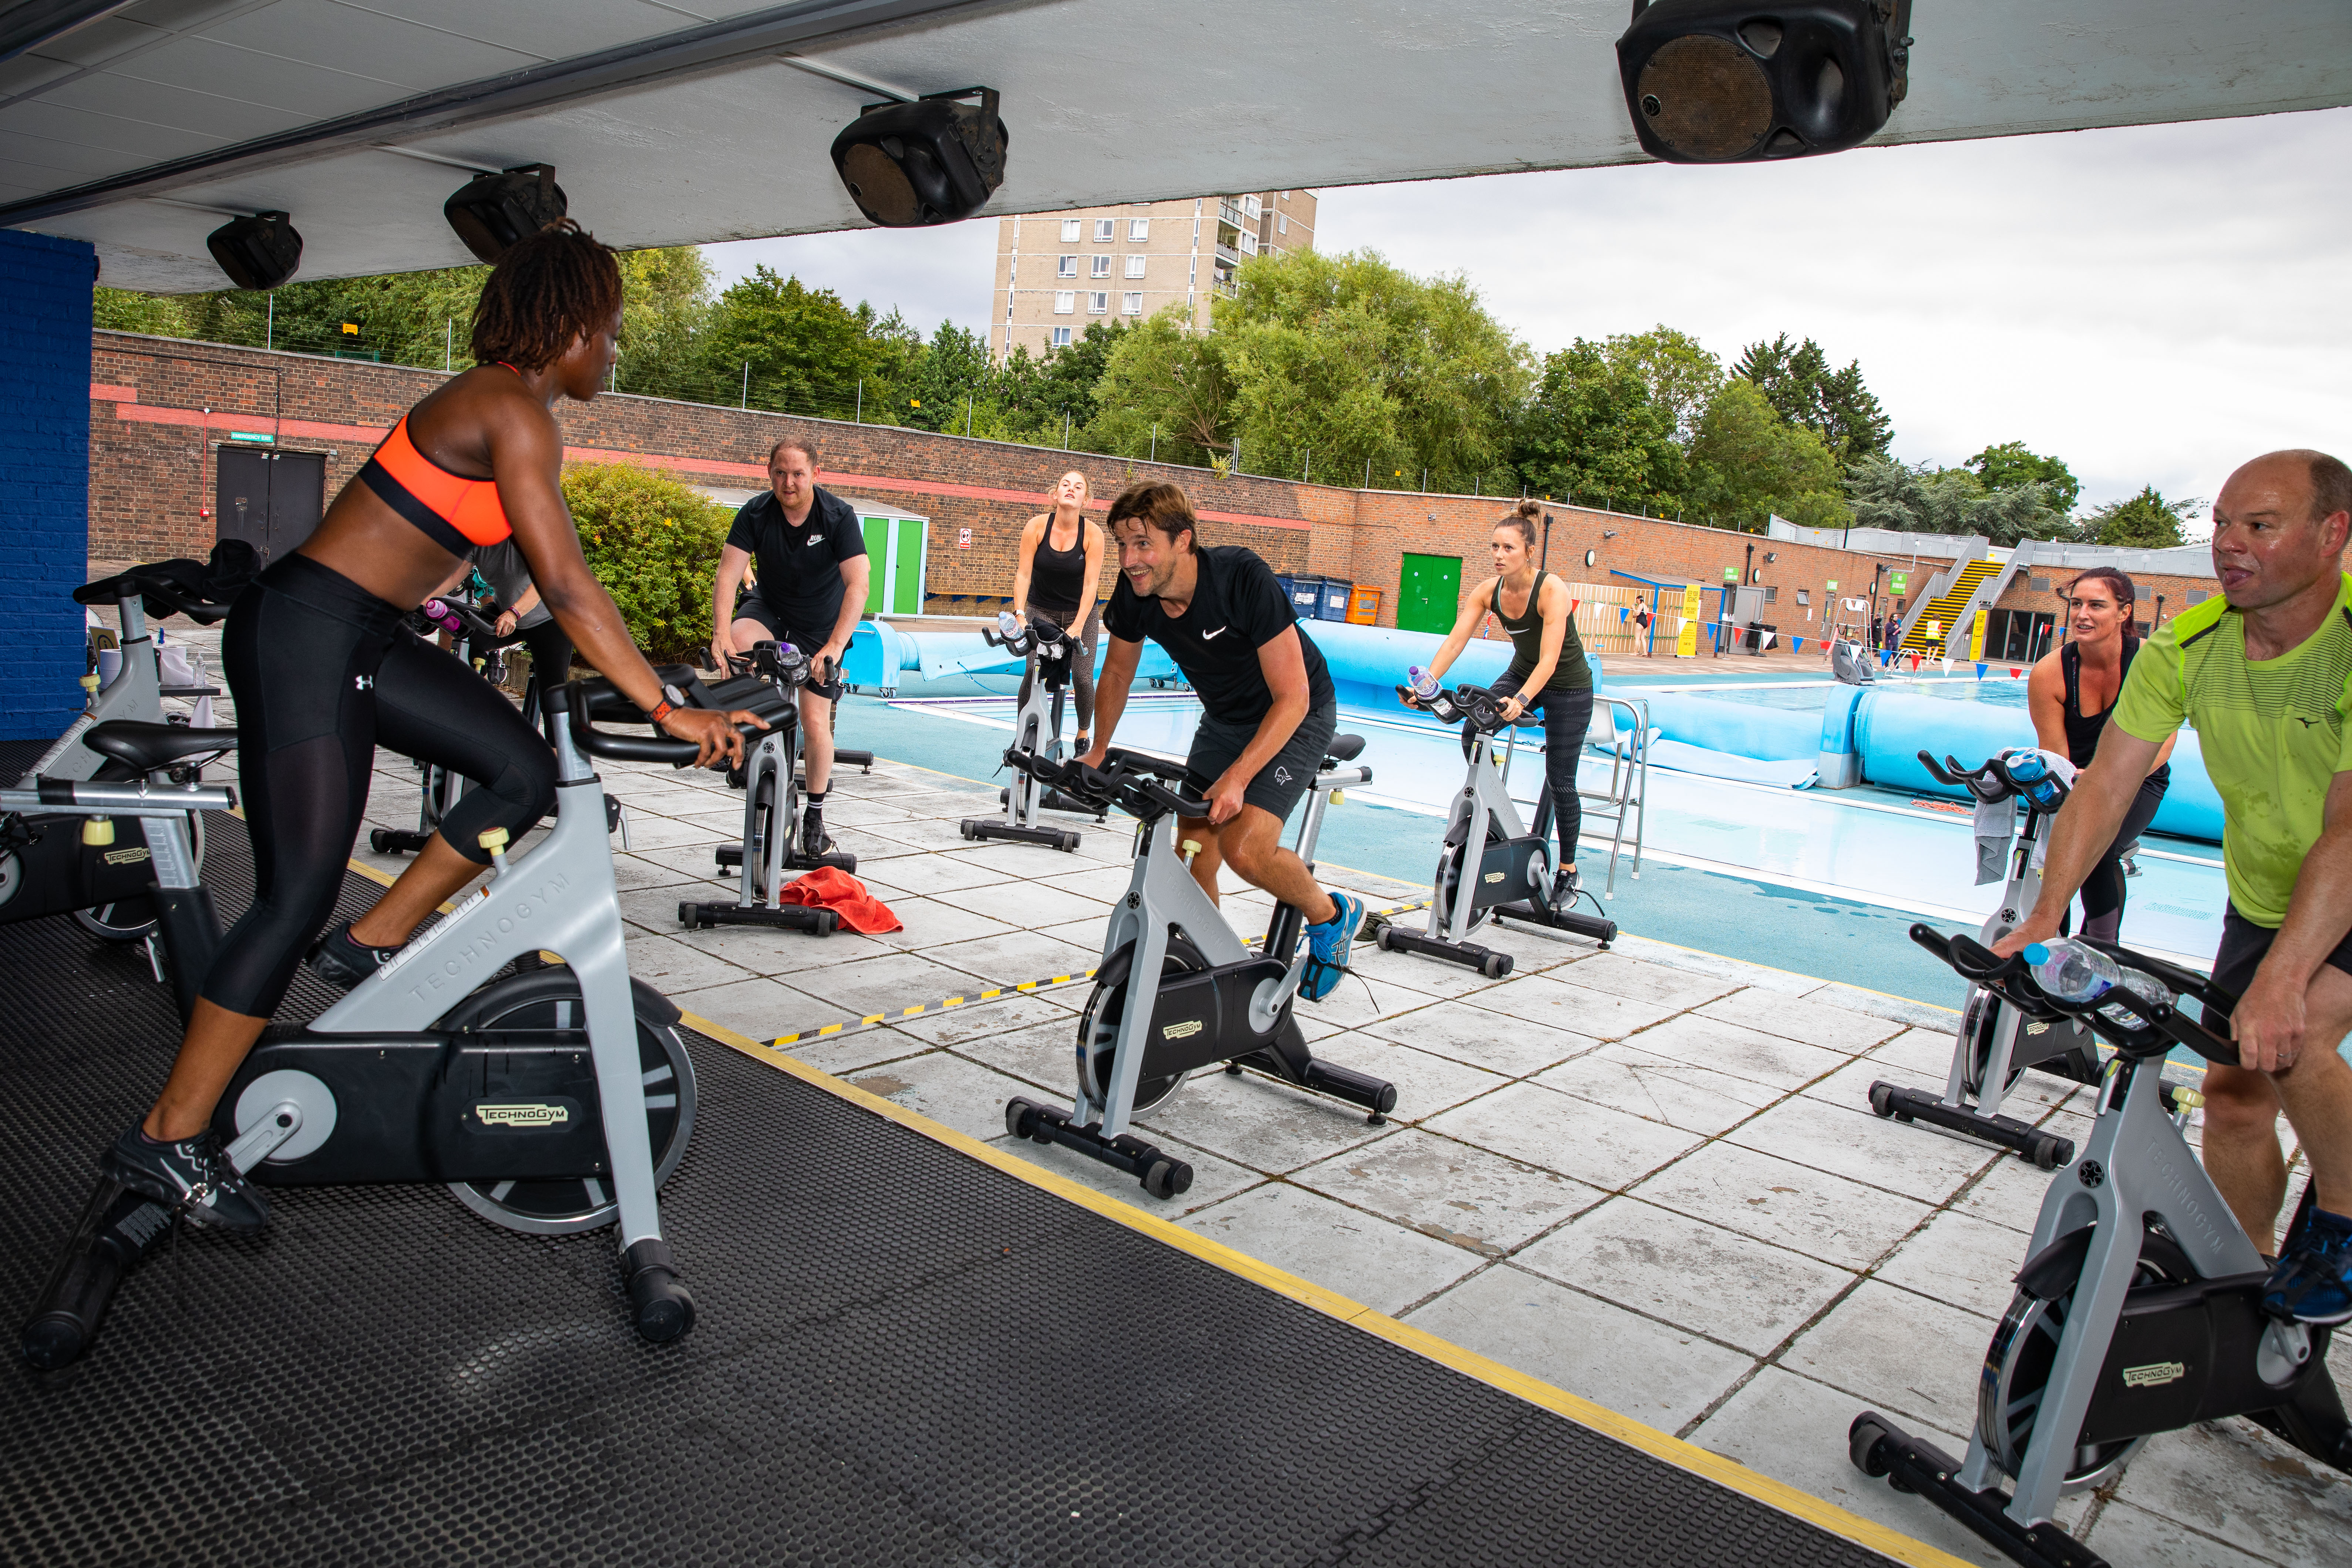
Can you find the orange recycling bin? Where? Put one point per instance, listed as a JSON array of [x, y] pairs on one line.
[[1364, 607]]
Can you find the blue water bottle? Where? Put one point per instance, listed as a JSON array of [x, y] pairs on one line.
[[2034, 779]]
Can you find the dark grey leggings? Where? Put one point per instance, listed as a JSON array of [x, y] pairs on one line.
[[322, 670], [1566, 716], [1082, 663]]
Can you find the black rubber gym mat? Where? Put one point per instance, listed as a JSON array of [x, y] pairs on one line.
[[903, 1356]]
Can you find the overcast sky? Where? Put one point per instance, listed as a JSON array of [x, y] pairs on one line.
[[2153, 305]]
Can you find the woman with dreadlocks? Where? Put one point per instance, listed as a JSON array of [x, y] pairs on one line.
[[324, 671]]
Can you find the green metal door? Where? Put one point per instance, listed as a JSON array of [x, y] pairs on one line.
[[877, 559], [907, 568], [1429, 594]]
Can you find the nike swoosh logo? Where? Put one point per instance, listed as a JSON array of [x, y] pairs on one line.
[[1218, 633]]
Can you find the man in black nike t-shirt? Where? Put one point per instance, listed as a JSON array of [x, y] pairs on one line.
[[1267, 707], [814, 573]]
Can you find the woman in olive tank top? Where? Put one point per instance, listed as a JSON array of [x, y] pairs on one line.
[[1548, 668], [1056, 567]]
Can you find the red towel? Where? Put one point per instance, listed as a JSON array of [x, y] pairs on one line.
[[830, 888]]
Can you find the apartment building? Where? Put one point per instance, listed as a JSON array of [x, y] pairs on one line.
[[1056, 272]]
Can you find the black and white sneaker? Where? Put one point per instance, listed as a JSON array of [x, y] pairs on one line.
[[340, 961], [1565, 886], [813, 841], [193, 1176]]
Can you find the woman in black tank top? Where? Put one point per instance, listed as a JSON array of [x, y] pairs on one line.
[[1057, 565], [2069, 695], [1547, 667]]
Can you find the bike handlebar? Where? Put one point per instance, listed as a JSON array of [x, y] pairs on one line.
[[572, 696], [155, 589], [1133, 782], [2160, 1027]]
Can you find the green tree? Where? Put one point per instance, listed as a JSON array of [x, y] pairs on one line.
[[654, 545], [1886, 493], [951, 376], [1043, 394], [1681, 377], [2011, 464], [2144, 522], [1593, 429], [1161, 376], [664, 302], [1798, 381], [778, 343], [122, 310], [1747, 463]]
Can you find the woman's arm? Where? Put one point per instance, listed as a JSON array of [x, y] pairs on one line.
[[1463, 624], [1094, 576], [2045, 699], [1024, 557], [1551, 603]]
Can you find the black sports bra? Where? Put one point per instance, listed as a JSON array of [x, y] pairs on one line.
[[2082, 728]]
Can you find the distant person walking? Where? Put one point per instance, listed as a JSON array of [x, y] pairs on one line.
[[1642, 621], [1056, 567]]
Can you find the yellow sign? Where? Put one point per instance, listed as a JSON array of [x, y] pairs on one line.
[[1977, 635], [1687, 640], [351, 329]]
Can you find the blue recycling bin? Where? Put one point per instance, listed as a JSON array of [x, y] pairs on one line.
[[1335, 596], [1305, 597]]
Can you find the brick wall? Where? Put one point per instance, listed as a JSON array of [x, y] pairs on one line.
[[44, 342], [2020, 593], [159, 409]]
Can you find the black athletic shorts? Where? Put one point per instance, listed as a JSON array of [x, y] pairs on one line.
[[750, 606], [1283, 783], [2243, 945]]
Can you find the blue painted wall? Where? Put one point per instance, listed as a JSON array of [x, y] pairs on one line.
[[44, 479]]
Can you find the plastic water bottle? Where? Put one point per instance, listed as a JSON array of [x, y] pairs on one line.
[[441, 616], [1008, 625], [1425, 685], [2032, 775], [2074, 971]]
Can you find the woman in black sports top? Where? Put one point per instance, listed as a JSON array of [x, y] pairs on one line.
[[1056, 567], [2070, 694], [1548, 668], [322, 670]]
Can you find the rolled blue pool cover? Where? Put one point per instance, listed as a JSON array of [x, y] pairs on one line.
[[1891, 728]]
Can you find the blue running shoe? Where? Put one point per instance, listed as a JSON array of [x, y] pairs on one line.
[[2312, 1282], [1327, 945]]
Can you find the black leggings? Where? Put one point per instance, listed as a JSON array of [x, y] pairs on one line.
[[322, 670], [1567, 715], [2102, 890], [1082, 663], [550, 647]]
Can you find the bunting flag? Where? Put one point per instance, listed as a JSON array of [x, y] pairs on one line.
[[1915, 663], [2014, 672], [1799, 646], [1980, 670], [1947, 664]]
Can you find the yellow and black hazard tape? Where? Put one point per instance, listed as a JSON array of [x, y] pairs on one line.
[[877, 1020]]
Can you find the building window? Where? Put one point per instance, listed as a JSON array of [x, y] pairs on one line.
[[1135, 266], [2141, 590], [1249, 243], [1138, 229], [1098, 304], [1804, 597], [2038, 585], [1103, 228], [1061, 337], [1771, 595], [1102, 267], [1282, 223], [1069, 230], [2198, 596], [1064, 302], [1285, 194], [1131, 304], [1069, 268]]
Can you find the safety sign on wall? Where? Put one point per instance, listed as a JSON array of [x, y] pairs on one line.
[[1687, 640], [963, 539]]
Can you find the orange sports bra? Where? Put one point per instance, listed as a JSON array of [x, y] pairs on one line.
[[452, 511]]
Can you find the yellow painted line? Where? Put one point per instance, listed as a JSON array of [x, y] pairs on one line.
[[1661, 1445], [875, 1020]]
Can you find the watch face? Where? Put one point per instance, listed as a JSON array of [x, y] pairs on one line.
[[673, 696]]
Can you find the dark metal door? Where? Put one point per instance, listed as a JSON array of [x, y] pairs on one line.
[[271, 499], [298, 494], [241, 495]]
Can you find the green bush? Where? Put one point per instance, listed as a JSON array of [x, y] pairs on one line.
[[654, 543]]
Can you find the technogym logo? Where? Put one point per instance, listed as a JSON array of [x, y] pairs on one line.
[[529, 1113], [2155, 1375], [1184, 1030]]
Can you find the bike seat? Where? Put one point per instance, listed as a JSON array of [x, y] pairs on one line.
[[1342, 749], [151, 747]]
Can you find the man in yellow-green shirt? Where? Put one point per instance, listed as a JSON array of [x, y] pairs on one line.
[[2264, 675]]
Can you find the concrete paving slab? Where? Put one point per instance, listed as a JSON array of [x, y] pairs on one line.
[[1417, 971], [1824, 1216], [929, 874], [2009, 1194], [883, 984], [1385, 1265], [1450, 1191], [671, 966], [2231, 1481], [1920, 1050], [1357, 1001], [631, 872], [649, 832], [1027, 905], [947, 1088], [695, 860], [1625, 976], [1598, 1144], [1042, 1054], [983, 1020], [926, 923], [1782, 1065], [1716, 966], [1659, 1089], [1901, 1009], [1264, 1125], [1564, 1005], [845, 1055], [1012, 957], [843, 809], [1960, 1258], [927, 833], [1426, 1084], [772, 949], [1730, 1288], [1850, 1085], [1853, 1144], [2123, 1533], [1898, 1353], [761, 1009], [1810, 1023], [1513, 1047], [1793, 1430]]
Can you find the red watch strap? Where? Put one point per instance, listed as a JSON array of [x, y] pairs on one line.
[[665, 709]]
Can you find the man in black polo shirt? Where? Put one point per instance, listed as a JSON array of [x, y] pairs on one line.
[[1267, 707], [812, 577]]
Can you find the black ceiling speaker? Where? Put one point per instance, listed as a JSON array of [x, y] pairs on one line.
[[935, 159], [1735, 81], [257, 252], [490, 211]]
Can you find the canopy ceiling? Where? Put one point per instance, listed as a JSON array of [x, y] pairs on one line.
[[143, 126]]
